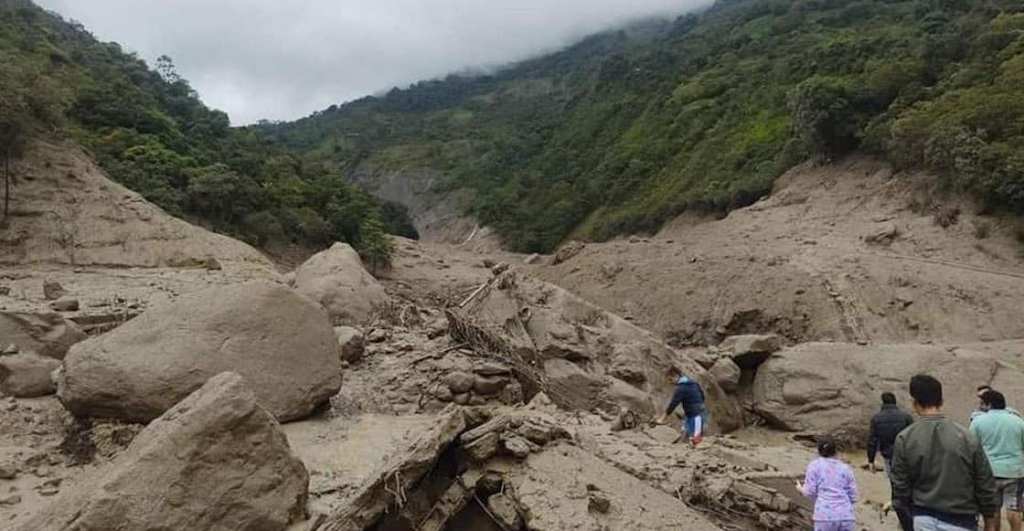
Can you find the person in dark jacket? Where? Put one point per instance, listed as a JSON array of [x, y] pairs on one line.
[[690, 395], [885, 426], [939, 468]]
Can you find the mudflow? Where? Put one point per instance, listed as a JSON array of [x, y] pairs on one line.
[[157, 376]]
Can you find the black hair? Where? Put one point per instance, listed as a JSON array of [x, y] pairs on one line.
[[994, 399], [888, 398], [983, 388], [926, 390], [826, 446]]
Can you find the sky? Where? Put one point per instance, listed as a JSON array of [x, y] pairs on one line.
[[284, 59]]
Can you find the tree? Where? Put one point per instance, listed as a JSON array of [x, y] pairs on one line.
[[13, 133], [375, 246]]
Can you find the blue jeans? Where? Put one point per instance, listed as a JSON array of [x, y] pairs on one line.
[[929, 523]]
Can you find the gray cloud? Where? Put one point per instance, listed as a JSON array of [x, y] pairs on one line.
[[283, 59]]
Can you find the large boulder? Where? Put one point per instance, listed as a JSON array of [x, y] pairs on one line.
[[835, 387], [281, 342], [337, 280], [749, 351], [217, 461], [46, 334], [727, 374], [26, 375]]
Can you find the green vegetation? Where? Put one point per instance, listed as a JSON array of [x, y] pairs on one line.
[[627, 129], [616, 134], [149, 131]]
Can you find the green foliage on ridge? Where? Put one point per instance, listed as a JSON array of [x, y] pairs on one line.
[[626, 129], [149, 130]]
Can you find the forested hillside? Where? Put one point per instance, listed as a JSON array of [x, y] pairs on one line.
[[151, 132], [627, 129]]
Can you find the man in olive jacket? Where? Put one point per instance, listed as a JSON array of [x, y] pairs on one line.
[[940, 470]]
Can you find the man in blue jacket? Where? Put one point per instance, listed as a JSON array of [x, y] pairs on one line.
[[689, 394]]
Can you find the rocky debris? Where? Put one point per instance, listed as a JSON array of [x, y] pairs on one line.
[[517, 433], [584, 357], [749, 351], [336, 279], [8, 470], [47, 334], [281, 342], [386, 489], [10, 349], [883, 234], [350, 342], [459, 382], [52, 290], [12, 499], [834, 388], [532, 259], [568, 251], [65, 305], [598, 502], [727, 374], [217, 460], [5, 291], [27, 375]]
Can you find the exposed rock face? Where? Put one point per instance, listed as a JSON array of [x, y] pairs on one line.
[[27, 375], [47, 334], [835, 387], [216, 461], [67, 211], [337, 280], [278, 340]]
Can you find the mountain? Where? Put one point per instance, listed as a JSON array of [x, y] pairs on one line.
[[149, 130], [628, 129]]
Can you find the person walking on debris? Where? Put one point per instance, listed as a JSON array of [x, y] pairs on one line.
[[939, 468], [829, 482], [690, 395], [1002, 436], [885, 426]]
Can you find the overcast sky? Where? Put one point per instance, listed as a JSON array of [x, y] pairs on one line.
[[284, 59]]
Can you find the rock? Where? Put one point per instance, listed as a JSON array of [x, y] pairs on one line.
[[27, 375], [337, 280], [488, 263], [459, 382], [482, 448], [12, 499], [52, 290], [727, 374], [10, 349], [598, 502], [499, 269], [217, 460], [835, 387], [377, 335], [532, 259], [488, 385], [568, 251], [749, 351], [5, 291], [65, 305], [504, 510], [517, 446], [884, 234], [45, 334], [210, 263], [8, 470], [444, 394], [461, 399], [350, 343], [281, 342], [492, 369]]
